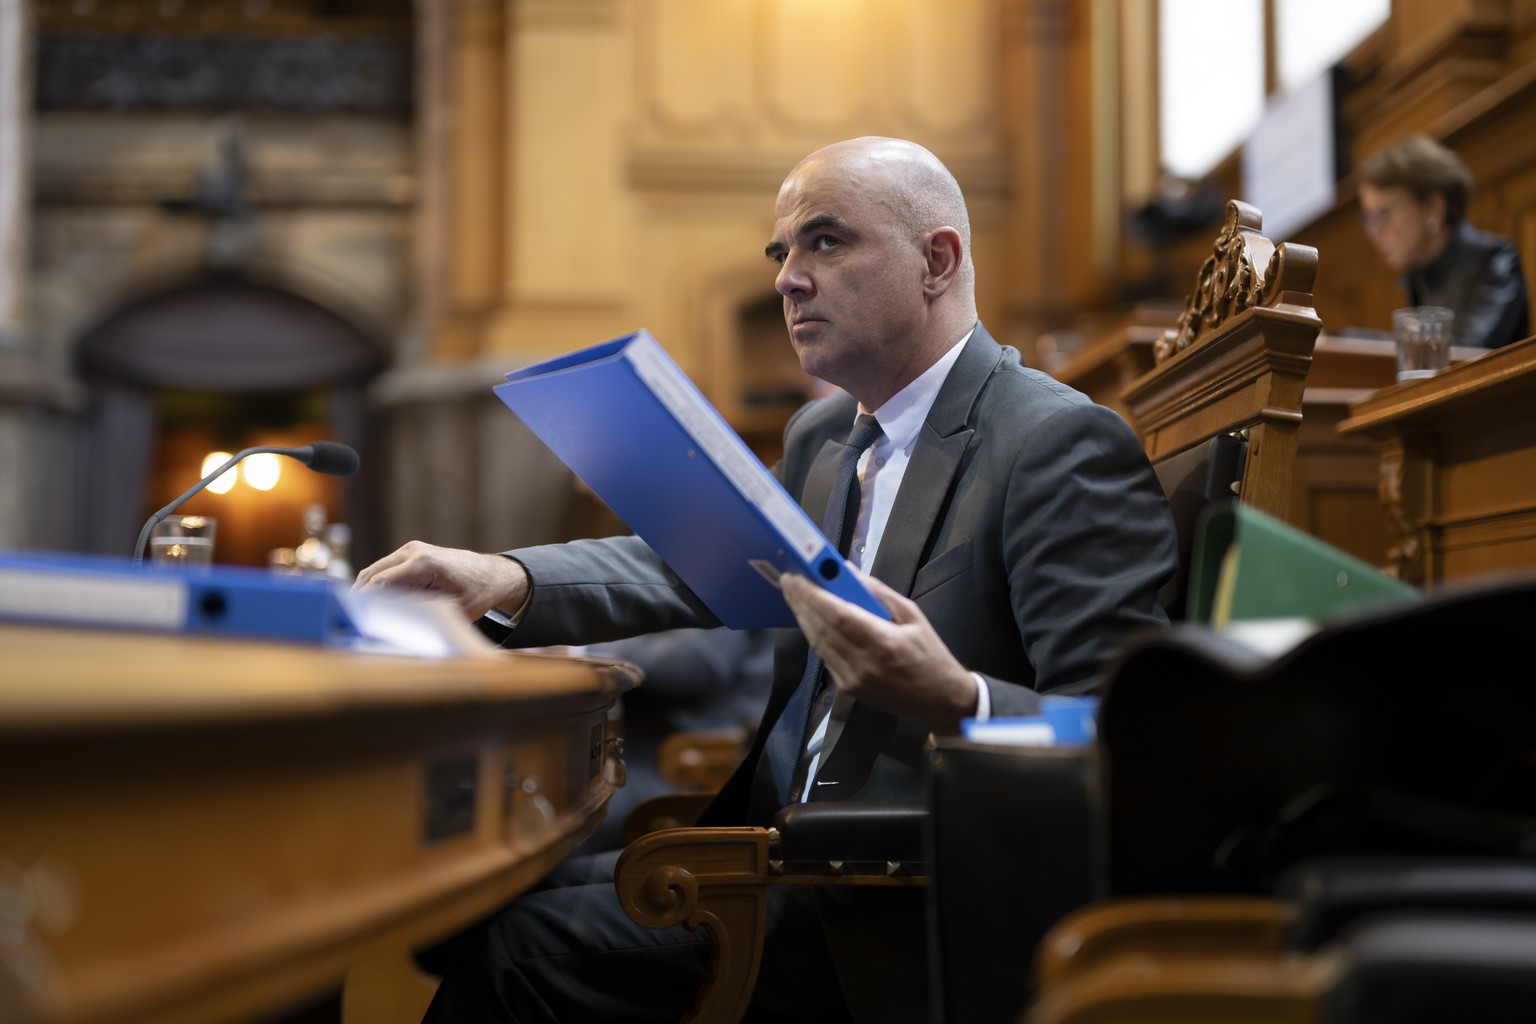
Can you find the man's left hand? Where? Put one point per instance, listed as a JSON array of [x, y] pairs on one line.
[[900, 667]]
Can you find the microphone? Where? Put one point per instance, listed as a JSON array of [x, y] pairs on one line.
[[321, 456]]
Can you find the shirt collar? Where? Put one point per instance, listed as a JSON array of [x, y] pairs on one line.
[[902, 416]]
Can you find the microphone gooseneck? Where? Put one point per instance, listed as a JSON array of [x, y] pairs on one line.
[[321, 456]]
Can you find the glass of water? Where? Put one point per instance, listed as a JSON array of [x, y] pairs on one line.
[[182, 540], [1423, 340]]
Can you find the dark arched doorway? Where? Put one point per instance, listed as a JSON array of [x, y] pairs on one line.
[[221, 364]]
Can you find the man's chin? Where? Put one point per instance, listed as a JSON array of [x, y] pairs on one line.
[[814, 366]]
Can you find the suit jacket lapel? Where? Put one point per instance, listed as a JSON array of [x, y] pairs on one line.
[[936, 458]]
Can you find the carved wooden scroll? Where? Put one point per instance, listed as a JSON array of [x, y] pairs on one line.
[[1244, 270]]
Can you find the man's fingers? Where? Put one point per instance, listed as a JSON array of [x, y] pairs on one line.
[[413, 566], [902, 608]]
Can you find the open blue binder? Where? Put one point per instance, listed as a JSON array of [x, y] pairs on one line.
[[626, 419]]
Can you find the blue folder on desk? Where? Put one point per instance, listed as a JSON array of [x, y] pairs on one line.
[[100, 592], [636, 430]]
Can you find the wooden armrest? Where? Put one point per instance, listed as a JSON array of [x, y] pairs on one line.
[[701, 760], [1192, 991], [670, 810], [719, 878], [1213, 927], [712, 877]]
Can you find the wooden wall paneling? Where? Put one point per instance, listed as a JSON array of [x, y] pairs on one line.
[[694, 72], [1436, 57], [1417, 24], [1522, 26], [570, 226], [1488, 497], [1516, 219], [1335, 497], [809, 92], [1493, 132], [948, 88]]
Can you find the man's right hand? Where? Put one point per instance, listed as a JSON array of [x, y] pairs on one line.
[[478, 582]]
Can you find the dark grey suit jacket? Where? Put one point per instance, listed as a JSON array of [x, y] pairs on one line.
[[1029, 528]]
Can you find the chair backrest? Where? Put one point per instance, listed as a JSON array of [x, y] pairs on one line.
[[1236, 364], [1193, 479], [1014, 844], [1372, 736]]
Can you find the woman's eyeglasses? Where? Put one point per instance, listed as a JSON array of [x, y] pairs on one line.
[[1379, 217]]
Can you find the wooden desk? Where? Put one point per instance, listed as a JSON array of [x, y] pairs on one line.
[[197, 830], [1458, 466], [1334, 495]]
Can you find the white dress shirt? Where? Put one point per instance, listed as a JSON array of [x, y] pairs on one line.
[[880, 470]]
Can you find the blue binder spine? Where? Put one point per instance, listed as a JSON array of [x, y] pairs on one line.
[[99, 592], [813, 553]]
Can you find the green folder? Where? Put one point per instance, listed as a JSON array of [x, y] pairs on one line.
[[1249, 565]]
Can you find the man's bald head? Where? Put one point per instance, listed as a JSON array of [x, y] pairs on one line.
[[872, 242], [908, 180]]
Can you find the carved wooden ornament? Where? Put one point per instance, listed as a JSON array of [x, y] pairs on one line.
[[1244, 270]]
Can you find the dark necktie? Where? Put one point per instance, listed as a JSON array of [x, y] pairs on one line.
[[787, 738]]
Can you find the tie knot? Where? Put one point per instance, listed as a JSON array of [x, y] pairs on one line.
[[866, 431]]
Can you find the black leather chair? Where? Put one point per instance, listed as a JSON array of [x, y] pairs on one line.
[[1257, 810], [1193, 480]]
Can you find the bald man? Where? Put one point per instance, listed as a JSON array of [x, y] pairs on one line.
[[1014, 530]]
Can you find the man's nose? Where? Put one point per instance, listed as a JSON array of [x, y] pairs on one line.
[[792, 278]]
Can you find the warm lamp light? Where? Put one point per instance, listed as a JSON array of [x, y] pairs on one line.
[[211, 462], [262, 470]]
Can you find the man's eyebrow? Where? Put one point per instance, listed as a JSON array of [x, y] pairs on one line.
[[824, 221], [818, 223]]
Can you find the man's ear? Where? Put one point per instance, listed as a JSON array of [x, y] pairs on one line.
[[942, 251]]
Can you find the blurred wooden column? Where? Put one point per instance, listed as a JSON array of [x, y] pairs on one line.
[[15, 163], [462, 471], [21, 385], [1034, 84], [1061, 72], [462, 113]]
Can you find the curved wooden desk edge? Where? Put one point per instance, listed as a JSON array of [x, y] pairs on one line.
[[227, 829]]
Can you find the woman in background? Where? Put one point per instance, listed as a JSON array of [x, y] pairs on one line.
[[1413, 202]]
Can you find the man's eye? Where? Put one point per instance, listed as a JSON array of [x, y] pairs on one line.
[[779, 257], [824, 242]]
